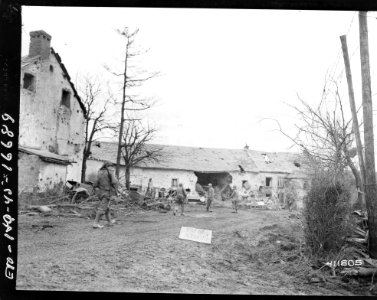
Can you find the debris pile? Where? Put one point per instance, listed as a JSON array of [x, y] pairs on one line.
[[262, 202], [352, 268], [357, 247]]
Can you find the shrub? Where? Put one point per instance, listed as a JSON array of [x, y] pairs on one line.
[[326, 212]]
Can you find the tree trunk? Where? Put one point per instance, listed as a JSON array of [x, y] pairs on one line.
[[119, 153], [358, 180], [83, 169], [370, 175], [127, 176]]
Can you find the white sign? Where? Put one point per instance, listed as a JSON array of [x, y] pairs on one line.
[[196, 235]]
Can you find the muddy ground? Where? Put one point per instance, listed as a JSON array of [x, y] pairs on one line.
[[252, 252]]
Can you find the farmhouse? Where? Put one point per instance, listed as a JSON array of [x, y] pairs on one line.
[[52, 119], [195, 167]]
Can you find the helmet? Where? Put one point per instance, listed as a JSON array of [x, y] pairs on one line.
[[105, 165]]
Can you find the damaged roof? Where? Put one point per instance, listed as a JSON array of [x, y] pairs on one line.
[[26, 60], [185, 158], [47, 156], [211, 159], [280, 162]]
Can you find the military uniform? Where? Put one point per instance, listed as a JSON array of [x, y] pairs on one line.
[[104, 188], [211, 196], [235, 199], [180, 198]]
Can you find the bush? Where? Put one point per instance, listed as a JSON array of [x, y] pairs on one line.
[[326, 213]]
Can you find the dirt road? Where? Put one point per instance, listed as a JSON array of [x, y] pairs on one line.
[[142, 253]]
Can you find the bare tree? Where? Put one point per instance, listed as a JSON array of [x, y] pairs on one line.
[[135, 150], [132, 77], [96, 104], [326, 137]]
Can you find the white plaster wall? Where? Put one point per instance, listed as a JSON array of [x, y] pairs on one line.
[[51, 174], [36, 130], [43, 123], [140, 176], [163, 178], [238, 177]]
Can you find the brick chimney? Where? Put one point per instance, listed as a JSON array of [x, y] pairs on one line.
[[39, 44]]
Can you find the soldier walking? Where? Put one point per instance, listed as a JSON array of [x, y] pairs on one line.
[[105, 187], [235, 198], [210, 196], [180, 198]]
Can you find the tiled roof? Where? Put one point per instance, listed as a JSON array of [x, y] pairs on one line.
[[207, 159], [280, 162], [185, 158]]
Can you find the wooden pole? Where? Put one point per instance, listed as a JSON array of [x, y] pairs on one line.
[[359, 146], [370, 175]]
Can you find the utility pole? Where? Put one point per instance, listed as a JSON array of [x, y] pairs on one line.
[[359, 146], [370, 175]]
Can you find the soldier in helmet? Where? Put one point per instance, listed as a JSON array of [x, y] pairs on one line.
[[105, 187], [210, 196], [180, 198], [235, 198]]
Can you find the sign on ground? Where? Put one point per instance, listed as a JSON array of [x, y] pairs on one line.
[[196, 235]]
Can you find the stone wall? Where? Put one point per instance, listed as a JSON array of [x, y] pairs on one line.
[[163, 178], [45, 123], [28, 172]]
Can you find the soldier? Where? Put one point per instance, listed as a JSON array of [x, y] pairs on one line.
[[105, 187], [210, 196], [234, 196], [180, 198]]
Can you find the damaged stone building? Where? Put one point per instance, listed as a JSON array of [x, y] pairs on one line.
[[195, 167], [52, 119]]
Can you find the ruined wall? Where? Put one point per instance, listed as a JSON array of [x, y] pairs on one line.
[[238, 178], [46, 124], [140, 176], [36, 175], [163, 178], [28, 171], [51, 175], [299, 185]]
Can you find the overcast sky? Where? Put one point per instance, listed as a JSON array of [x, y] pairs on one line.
[[222, 71]]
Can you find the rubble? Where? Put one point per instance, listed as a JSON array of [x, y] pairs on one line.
[[262, 203], [355, 249]]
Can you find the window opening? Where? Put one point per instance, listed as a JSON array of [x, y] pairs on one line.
[[174, 182], [280, 182], [29, 82], [66, 96]]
